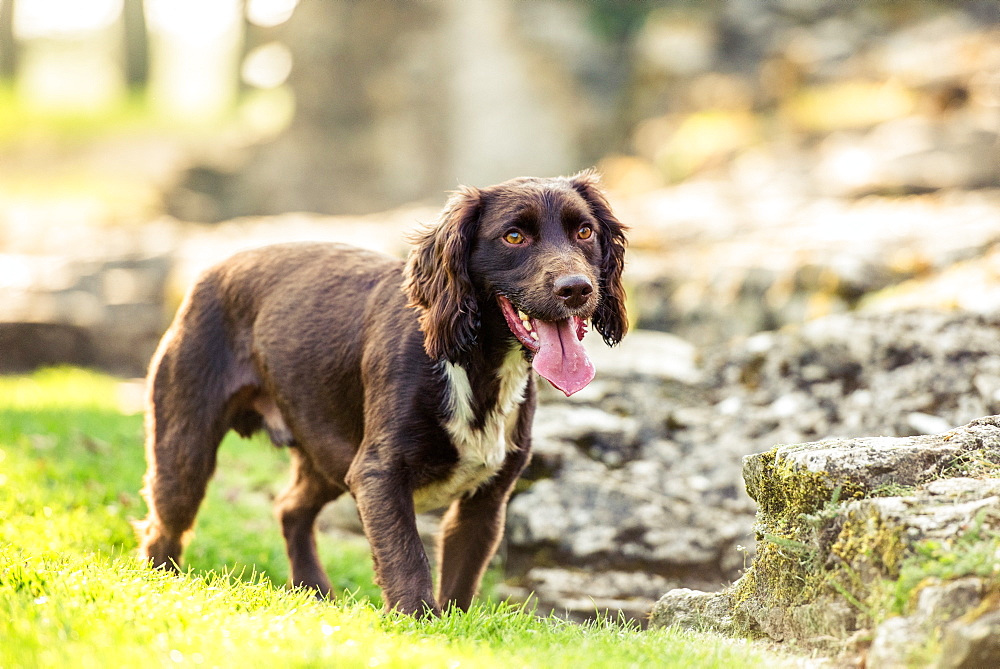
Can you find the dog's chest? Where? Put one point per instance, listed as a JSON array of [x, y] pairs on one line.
[[481, 451]]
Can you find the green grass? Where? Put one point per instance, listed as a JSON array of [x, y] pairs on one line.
[[973, 553], [72, 594], [70, 126]]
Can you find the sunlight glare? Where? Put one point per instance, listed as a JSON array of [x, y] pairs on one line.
[[60, 18], [267, 66], [270, 13], [193, 20], [195, 46]]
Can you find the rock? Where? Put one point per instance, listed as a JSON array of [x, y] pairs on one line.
[[850, 530], [732, 270], [646, 353], [836, 369], [600, 518], [798, 475], [968, 285], [579, 595], [107, 313], [695, 610], [972, 645], [894, 643], [27, 346], [645, 474], [901, 641], [939, 604], [804, 524]]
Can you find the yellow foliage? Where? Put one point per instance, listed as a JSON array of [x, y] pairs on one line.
[[848, 105], [705, 137]]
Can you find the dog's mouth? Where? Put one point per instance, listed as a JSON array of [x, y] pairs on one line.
[[559, 356]]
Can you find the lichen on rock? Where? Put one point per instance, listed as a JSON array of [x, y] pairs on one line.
[[836, 556]]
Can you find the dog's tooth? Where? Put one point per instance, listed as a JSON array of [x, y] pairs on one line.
[[534, 335], [523, 316]]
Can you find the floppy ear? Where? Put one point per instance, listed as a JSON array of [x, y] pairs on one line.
[[610, 318], [437, 280]]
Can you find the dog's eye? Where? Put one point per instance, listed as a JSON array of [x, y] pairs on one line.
[[514, 237], [585, 232]]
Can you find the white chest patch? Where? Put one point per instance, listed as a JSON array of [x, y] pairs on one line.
[[481, 452]]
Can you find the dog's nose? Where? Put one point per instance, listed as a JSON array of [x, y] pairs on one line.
[[574, 289]]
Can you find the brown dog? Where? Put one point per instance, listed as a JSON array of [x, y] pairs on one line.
[[408, 386]]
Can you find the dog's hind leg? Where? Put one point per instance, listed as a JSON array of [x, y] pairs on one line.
[[185, 421], [181, 444], [297, 508]]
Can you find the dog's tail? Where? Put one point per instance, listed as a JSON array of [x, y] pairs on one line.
[[185, 419]]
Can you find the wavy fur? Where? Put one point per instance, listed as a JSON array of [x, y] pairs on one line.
[[437, 279], [610, 319]]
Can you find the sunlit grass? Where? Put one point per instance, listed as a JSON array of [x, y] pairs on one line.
[[73, 451], [257, 113], [72, 593], [18, 120]]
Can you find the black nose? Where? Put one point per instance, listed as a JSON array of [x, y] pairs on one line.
[[574, 289]]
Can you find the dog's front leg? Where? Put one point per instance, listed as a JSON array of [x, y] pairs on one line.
[[470, 534], [385, 503], [473, 526]]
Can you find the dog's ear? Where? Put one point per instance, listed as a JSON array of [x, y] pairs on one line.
[[610, 318], [437, 279]]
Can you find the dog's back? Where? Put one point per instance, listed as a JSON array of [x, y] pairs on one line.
[[266, 320]]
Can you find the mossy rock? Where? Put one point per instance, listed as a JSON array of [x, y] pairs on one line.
[[849, 530]]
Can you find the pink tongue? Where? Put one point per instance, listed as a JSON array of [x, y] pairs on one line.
[[561, 357]]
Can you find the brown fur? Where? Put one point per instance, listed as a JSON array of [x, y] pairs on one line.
[[350, 358]]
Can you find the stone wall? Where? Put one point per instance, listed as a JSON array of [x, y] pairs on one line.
[[638, 481], [97, 313], [103, 297]]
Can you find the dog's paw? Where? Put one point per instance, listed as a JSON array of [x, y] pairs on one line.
[[418, 608]]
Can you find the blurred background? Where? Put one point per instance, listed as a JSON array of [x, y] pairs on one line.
[[812, 186], [797, 153], [746, 123]]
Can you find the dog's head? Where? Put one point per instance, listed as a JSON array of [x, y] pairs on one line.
[[548, 252]]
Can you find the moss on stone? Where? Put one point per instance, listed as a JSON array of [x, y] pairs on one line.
[[974, 553], [784, 492], [869, 544], [834, 555], [800, 524], [977, 463]]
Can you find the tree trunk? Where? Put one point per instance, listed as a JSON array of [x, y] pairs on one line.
[[363, 119], [8, 43], [136, 45]]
